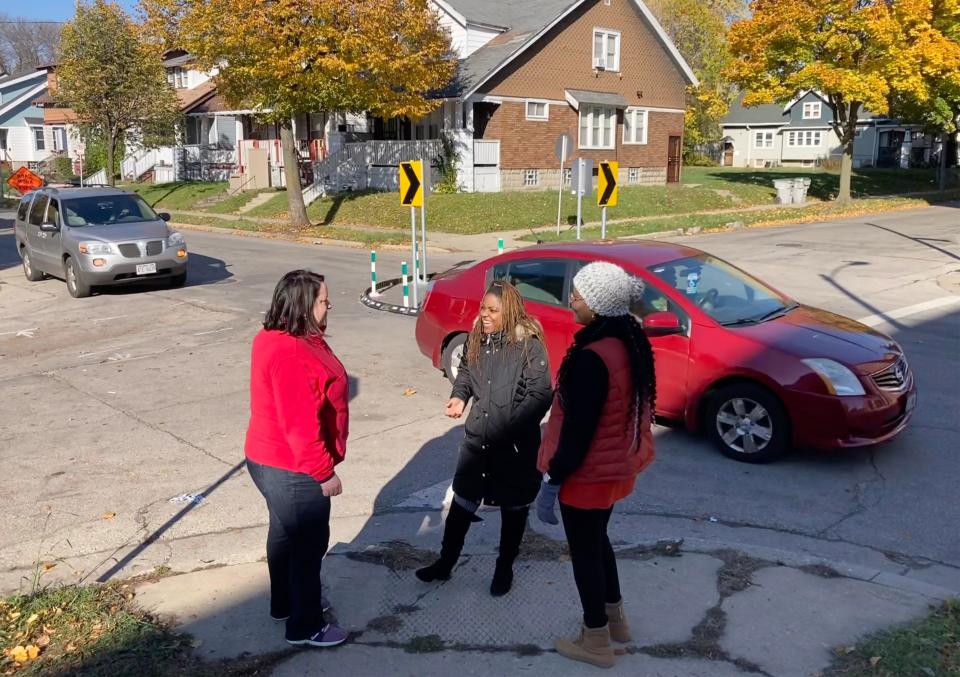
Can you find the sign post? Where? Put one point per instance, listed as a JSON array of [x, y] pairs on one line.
[[425, 189], [560, 148], [607, 192], [411, 195], [582, 181]]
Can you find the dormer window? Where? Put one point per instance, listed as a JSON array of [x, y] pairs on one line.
[[177, 77], [812, 110]]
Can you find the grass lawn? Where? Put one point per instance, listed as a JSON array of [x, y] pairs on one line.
[[370, 238], [89, 630], [179, 195], [234, 203], [815, 212], [930, 646]]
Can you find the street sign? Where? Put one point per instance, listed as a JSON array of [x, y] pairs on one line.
[[562, 146], [23, 180], [607, 184], [581, 177], [411, 183]]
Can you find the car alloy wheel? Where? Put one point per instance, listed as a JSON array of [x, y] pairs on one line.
[[28, 270], [747, 422], [452, 354], [76, 285], [744, 425]]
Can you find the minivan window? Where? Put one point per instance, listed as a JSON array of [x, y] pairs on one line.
[[24, 207], [106, 210], [38, 210], [53, 213]]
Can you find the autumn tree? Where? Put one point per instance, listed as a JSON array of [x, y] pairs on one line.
[[844, 49], [284, 58], [928, 89], [699, 30], [113, 80]]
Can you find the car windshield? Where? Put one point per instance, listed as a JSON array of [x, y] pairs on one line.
[[726, 294], [106, 210]]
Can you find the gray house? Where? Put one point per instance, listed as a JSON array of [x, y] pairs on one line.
[[800, 134]]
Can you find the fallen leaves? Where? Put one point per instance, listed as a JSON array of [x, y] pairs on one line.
[[108, 515], [409, 392], [23, 654]]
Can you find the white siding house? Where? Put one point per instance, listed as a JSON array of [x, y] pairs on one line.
[[24, 140]]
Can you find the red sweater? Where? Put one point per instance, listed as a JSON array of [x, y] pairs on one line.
[[298, 405]]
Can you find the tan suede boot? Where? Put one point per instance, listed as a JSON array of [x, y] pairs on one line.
[[617, 621], [592, 646]]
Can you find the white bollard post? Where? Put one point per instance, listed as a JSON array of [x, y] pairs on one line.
[[373, 273], [500, 246], [406, 287]]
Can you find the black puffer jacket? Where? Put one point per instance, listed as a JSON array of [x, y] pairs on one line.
[[510, 392]]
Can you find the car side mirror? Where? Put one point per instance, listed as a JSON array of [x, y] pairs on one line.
[[662, 323], [164, 216], [49, 227]]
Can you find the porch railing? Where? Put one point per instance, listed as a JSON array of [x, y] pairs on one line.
[[486, 152]]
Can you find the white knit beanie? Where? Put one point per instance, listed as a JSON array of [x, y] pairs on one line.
[[608, 289]]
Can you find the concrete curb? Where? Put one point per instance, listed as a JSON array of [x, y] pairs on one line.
[[374, 303]]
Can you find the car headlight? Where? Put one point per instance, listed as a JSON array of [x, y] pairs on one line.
[[175, 240], [838, 379], [97, 248]]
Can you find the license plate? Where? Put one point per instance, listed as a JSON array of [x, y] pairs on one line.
[[146, 268], [911, 403]]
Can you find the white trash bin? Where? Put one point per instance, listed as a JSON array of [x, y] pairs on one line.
[[784, 189]]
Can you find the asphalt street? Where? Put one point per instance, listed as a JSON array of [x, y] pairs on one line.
[[123, 414]]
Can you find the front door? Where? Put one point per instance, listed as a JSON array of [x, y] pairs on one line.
[[673, 160], [728, 154]]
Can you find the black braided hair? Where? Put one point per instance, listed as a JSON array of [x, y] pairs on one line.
[[627, 329]]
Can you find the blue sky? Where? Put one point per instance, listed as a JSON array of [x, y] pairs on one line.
[[50, 10]]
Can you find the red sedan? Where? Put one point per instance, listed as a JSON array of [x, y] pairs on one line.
[[753, 369]]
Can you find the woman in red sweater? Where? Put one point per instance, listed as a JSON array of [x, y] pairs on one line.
[[597, 441], [296, 436]]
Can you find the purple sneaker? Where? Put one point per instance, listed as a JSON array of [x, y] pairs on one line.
[[325, 606], [329, 635]]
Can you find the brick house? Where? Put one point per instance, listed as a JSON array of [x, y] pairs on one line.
[[602, 71]]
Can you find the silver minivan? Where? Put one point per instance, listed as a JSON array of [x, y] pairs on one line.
[[94, 237]]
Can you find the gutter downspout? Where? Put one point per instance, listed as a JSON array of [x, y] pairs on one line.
[[749, 145]]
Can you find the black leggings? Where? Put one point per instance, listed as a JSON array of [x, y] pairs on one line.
[[594, 565]]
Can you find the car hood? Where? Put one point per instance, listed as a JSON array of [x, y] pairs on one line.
[[123, 232], [812, 332]]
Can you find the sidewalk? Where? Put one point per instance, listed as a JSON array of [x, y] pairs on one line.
[[695, 611]]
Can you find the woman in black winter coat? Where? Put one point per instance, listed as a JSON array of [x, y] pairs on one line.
[[504, 372]]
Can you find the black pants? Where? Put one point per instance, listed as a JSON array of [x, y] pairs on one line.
[[297, 540], [594, 565]]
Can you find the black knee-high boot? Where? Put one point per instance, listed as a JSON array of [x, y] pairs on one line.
[[512, 525], [454, 533]]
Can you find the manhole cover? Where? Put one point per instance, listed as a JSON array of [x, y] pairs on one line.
[[950, 282]]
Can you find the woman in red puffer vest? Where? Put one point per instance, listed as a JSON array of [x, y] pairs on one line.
[[598, 439]]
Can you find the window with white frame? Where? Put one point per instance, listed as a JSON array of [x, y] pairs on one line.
[[537, 110], [596, 127], [635, 125], [39, 142], [811, 110], [763, 140], [177, 77], [531, 177], [606, 49], [567, 176], [807, 138], [59, 138], [633, 175]]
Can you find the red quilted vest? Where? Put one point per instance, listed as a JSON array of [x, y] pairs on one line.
[[618, 451]]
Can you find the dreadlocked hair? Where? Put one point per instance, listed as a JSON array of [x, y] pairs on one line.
[[627, 329], [517, 324]]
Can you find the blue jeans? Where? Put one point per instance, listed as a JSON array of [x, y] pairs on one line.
[[297, 540]]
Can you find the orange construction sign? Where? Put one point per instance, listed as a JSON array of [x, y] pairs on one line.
[[23, 180]]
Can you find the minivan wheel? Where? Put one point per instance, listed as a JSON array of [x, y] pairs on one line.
[[29, 271], [452, 355], [748, 423], [76, 285], [177, 281]]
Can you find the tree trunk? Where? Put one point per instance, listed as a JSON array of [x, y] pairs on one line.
[[291, 169], [846, 169], [111, 149]]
